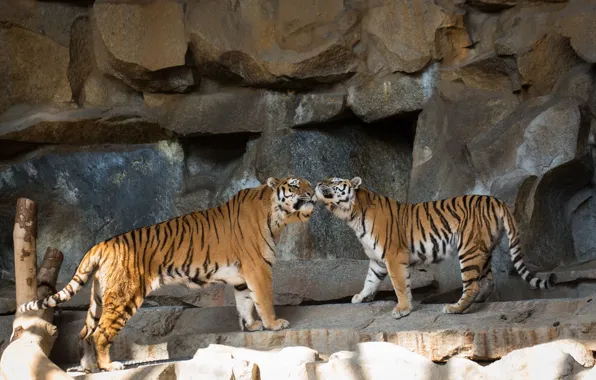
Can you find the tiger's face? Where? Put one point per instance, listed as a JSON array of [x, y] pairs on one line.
[[294, 195], [338, 193]]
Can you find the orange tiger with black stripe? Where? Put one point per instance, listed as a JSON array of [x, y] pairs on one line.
[[395, 236], [233, 243]]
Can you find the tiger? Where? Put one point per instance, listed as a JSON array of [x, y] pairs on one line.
[[396, 235], [233, 243]]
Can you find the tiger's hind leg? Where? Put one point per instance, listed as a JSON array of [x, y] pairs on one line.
[[472, 262], [245, 306], [117, 310], [487, 285], [86, 349], [377, 271]]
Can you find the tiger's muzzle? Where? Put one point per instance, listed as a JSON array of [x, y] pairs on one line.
[[323, 191]]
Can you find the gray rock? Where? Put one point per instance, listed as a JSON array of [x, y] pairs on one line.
[[86, 197], [578, 82], [392, 95], [545, 140], [522, 155], [338, 150], [241, 110]]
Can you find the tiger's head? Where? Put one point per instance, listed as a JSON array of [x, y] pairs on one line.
[[338, 194], [293, 195]]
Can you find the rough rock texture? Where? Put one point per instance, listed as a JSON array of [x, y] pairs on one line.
[[144, 45], [32, 68], [487, 332], [247, 90], [241, 110], [86, 197], [521, 153], [274, 43], [577, 23], [68, 125]]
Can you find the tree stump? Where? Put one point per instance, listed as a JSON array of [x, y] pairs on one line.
[[33, 335]]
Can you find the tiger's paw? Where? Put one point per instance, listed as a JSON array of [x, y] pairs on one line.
[[400, 312], [113, 366], [278, 324], [359, 299], [255, 326], [452, 309]]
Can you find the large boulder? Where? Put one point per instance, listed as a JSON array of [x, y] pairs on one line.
[[523, 154], [405, 35], [578, 22], [90, 87], [87, 196], [32, 68], [274, 43], [144, 45], [542, 55], [391, 95], [341, 149], [241, 110]]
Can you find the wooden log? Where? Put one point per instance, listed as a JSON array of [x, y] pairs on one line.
[[26, 356], [25, 253]]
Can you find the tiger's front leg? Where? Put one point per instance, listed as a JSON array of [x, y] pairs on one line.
[[398, 267], [245, 307], [259, 281], [377, 271]]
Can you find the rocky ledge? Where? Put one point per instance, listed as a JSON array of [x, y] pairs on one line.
[[487, 332]]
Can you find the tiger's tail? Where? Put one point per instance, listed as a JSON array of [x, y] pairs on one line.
[[86, 267], [516, 255]]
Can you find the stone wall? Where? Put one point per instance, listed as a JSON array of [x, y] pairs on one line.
[[116, 115]]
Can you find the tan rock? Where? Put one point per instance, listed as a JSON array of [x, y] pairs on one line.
[[90, 87], [400, 35], [578, 23], [144, 45], [528, 32], [486, 72], [32, 68], [288, 43], [65, 124], [149, 35]]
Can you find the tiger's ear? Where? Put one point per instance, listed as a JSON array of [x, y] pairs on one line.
[[356, 182], [272, 182]]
